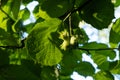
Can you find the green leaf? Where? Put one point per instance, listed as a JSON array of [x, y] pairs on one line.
[[101, 61], [17, 26], [65, 78], [15, 72], [56, 8], [115, 34], [9, 24], [48, 73], [36, 11], [117, 3], [6, 6], [85, 69], [94, 45], [115, 67], [100, 56], [4, 57], [82, 36], [25, 2], [43, 50], [2, 78], [4, 2], [31, 66], [77, 54], [8, 39], [55, 37], [5, 11], [16, 8], [18, 55], [97, 14], [75, 19], [103, 75], [42, 14], [27, 28], [3, 21], [79, 3], [24, 14], [70, 61]]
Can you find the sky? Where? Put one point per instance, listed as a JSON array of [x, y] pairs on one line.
[[94, 35]]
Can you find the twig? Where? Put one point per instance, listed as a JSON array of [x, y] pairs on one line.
[[70, 26], [5, 12], [74, 10], [67, 16], [82, 6], [99, 49]]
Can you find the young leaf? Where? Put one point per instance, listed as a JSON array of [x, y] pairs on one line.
[[43, 49], [97, 14], [115, 34]]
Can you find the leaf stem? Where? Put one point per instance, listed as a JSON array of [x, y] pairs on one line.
[[66, 17]]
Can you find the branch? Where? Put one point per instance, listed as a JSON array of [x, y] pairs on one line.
[[15, 47]]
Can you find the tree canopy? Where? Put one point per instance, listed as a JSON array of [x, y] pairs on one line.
[[55, 43]]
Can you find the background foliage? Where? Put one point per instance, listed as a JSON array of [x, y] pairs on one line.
[[55, 44]]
